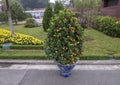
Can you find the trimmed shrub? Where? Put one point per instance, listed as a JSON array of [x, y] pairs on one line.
[[22, 56], [47, 17], [29, 23], [26, 47], [107, 25], [64, 39]]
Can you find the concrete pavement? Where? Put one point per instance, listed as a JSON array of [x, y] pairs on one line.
[[31, 74], [11, 77], [78, 77]]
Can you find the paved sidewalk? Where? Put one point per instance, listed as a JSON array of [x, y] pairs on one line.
[[81, 62], [54, 67], [45, 72], [28, 74]]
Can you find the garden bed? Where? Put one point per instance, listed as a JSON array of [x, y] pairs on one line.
[[96, 46]]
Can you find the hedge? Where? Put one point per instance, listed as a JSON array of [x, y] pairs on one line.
[[108, 25], [23, 57], [26, 47]]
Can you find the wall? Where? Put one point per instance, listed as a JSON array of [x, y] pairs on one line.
[[113, 11]]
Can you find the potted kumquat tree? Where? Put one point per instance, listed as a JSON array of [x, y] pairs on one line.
[[64, 41]]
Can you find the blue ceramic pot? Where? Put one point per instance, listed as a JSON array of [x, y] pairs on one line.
[[65, 70]]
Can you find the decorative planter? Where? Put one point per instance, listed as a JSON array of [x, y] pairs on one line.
[[65, 70]]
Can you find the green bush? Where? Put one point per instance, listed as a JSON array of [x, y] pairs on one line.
[[47, 17], [64, 40], [29, 23], [107, 25], [27, 15], [41, 57]]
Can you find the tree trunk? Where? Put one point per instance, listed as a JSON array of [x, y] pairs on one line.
[[16, 21], [9, 18]]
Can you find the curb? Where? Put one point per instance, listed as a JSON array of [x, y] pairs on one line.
[[51, 62]]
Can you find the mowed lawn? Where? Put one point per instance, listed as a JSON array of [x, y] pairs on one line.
[[95, 43], [22, 54]]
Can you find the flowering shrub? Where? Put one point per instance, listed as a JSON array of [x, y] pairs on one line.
[[20, 39], [107, 25], [64, 40]]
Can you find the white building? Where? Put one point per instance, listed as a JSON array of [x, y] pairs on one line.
[[0, 7], [37, 14]]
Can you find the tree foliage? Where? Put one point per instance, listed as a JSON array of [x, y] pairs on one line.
[[47, 17], [87, 3], [3, 17], [87, 9], [16, 11], [58, 7]]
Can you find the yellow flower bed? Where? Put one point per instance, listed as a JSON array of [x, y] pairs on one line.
[[20, 39]]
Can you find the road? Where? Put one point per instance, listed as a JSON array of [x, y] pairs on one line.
[[49, 75]]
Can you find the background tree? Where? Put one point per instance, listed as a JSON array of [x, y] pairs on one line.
[[16, 11], [86, 9], [58, 7], [47, 17], [87, 3], [3, 17]]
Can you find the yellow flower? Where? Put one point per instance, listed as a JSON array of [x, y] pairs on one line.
[[18, 38], [62, 54], [64, 58], [68, 36], [60, 28], [57, 30], [117, 22], [63, 48], [56, 51]]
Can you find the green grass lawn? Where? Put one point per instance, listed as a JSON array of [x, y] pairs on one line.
[[22, 54], [96, 44]]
